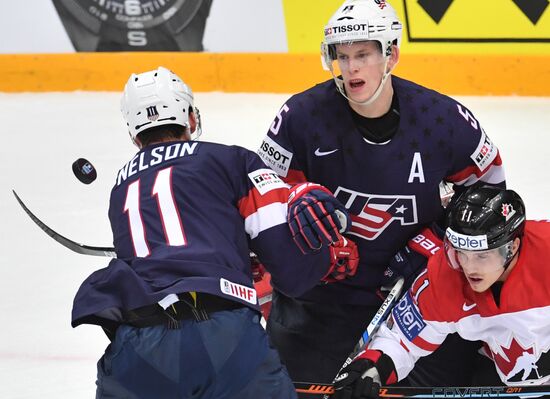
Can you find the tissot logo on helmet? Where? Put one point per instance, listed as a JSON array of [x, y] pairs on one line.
[[346, 28]]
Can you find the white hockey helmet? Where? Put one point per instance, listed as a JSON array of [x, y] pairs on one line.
[[156, 98], [361, 20]]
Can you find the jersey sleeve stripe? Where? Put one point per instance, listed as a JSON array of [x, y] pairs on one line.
[[403, 345], [493, 174], [254, 200], [265, 218], [424, 345]]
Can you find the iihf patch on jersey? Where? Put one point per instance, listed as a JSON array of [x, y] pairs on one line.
[[243, 292], [266, 180], [275, 156], [485, 152], [408, 319]]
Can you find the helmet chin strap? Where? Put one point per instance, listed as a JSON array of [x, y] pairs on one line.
[[374, 97]]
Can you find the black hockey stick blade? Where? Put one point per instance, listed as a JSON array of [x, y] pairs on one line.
[[72, 245], [526, 391]]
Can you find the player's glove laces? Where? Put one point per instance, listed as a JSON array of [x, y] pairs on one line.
[[361, 379], [315, 217]]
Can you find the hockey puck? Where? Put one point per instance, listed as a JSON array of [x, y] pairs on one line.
[[84, 171]]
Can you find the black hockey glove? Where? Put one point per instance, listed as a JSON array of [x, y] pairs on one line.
[[315, 217], [412, 259], [361, 379], [405, 263]]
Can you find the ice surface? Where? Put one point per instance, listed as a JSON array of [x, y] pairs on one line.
[[41, 356]]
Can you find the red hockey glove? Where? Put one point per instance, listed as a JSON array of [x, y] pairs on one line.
[[344, 259], [361, 379], [258, 269], [315, 216]]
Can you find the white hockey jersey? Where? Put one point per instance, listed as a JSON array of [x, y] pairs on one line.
[[516, 333]]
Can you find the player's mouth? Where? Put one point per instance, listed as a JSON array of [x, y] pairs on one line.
[[474, 280], [356, 84]]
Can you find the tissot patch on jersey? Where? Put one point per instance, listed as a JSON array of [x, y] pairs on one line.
[[266, 180], [275, 156], [243, 292], [406, 316], [485, 152]]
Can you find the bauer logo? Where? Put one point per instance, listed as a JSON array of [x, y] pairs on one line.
[[469, 243], [243, 292], [408, 318], [275, 156], [266, 180]]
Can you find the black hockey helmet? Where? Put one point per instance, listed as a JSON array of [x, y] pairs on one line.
[[494, 212], [486, 218]]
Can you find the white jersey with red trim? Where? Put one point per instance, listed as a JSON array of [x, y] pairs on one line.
[[516, 333]]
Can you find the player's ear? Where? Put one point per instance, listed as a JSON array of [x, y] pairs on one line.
[[137, 142], [394, 57], [515, 245], [192, 121]]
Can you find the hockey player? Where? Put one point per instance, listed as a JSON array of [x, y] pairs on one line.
[[178, 302], [496, 290], [382, 145]]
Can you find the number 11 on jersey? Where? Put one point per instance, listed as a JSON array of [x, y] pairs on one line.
[[169, 214]]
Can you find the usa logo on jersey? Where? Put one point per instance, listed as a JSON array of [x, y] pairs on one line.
[[371, 214]]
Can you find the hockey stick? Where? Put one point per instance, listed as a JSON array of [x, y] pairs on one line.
[[378, 318], [527, 391], [72, 245], [91, 250], [381, 314]]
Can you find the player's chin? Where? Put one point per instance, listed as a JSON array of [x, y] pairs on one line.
[[477, 284], [359, 96]]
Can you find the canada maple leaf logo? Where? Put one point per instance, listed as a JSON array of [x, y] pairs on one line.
[[515, 359], [508, 211]]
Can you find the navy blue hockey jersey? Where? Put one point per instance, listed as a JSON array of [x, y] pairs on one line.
[[185, 216], [392, 189]]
